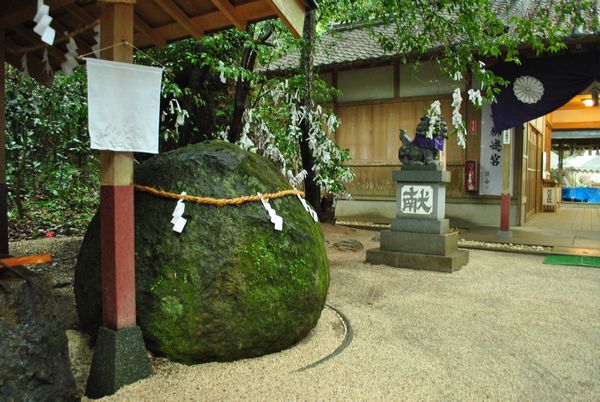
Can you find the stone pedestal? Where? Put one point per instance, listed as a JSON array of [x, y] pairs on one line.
[[420, 236]]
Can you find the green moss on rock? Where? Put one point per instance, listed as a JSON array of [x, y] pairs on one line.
[[229, 286]]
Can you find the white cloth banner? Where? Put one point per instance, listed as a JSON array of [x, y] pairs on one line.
[[123, 106], [490, 162]]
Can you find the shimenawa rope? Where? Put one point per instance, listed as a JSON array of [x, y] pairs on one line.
[[219, 202]]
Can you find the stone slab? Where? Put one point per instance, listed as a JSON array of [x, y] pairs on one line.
[[421, 200], [421, 176], [441, 263], [437, 166], [120, 358], [440, 226], [420, 243]]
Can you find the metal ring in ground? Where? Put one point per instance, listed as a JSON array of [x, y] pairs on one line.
[[348, 334]]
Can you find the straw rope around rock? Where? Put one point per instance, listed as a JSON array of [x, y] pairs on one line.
[[218, 202]]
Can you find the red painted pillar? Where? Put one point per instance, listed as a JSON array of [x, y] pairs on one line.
[[116, 194], [119, 354], [3, 188], [117, 258]]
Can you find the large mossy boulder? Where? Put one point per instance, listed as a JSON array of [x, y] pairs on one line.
[[229, 286]]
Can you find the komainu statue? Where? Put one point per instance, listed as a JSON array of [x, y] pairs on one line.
[[422, 150]]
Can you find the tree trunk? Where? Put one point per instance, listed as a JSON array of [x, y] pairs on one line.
[[311, 188], [242, 87]]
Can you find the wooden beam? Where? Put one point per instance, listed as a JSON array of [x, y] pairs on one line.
[[80, 13], [291, 12], [82, 46], [16, 12], [34, 39], [253, 11], [576, 125], [151, 33], [181, 17], [228, 11]]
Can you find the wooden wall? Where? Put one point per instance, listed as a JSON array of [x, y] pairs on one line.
[[370, 130]]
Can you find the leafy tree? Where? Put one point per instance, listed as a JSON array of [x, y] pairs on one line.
[[51, 171]]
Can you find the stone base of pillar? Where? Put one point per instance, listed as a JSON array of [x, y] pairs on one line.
[[441, 263], [420, 237], [120, 358]]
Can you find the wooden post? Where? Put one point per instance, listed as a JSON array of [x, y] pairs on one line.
[[116, 191], [505, 196], [120, 355], [3, 188]]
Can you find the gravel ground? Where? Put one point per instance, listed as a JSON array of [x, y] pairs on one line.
[[505, 327]]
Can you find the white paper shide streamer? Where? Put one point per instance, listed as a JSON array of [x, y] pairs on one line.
[[276, 220], [308, 208], [24, 64], [47, 66], [42, 21], [70, 57], [178, 220], [96, 46], [123, 106]]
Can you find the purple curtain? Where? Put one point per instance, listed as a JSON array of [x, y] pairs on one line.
[[539, 86]]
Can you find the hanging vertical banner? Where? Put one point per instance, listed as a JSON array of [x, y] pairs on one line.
[[123, 106], [490, 170]]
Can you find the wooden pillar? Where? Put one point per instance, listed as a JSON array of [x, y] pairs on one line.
[[505, 196], [3, 188], [119, 355], [116, 191]]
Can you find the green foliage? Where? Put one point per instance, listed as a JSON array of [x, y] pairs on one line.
[[460, 33], [51, 171]]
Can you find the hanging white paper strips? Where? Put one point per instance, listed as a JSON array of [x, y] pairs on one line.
[[24, 64], [178, 221], [47, 66], [70, 57], [123, 106], [42, 19], [96, 46]]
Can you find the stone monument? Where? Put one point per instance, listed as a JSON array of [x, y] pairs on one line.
[[420, 236]]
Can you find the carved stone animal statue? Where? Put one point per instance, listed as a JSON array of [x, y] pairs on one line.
[[422, 150]]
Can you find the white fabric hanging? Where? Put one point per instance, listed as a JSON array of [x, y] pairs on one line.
[[123, 106]]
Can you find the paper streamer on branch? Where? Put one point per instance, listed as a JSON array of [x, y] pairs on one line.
[[308, 208], [178, 220], [42, 19], [123, 106], [276, 220]]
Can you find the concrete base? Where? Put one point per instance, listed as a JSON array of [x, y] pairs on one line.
[[426, 243], [120, 358], [441, 226], [441, 263], [505, 234]]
